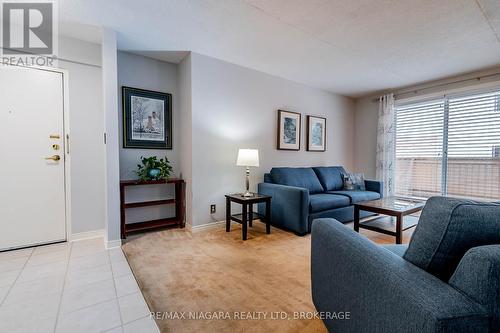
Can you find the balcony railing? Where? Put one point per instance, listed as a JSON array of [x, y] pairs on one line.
[[473, 177]]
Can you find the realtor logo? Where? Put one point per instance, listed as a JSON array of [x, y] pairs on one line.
[[29, 33], [27, 28]]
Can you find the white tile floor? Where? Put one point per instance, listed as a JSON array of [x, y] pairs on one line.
[[70, 287]]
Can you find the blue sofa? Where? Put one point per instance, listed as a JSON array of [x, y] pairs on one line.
[[301, 195], [446, 280]]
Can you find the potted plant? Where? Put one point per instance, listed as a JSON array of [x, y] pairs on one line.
[[153, 168]]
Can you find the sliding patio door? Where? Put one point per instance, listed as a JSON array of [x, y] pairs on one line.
[[449, 146]]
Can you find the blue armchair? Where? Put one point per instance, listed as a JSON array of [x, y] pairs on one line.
[[446, 280], [301, 195]]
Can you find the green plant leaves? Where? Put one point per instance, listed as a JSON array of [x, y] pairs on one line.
[[152, 162]]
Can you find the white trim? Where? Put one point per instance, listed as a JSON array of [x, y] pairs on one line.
[[113, 244], [67, 157], [209, 225], [111, 122], [87, 235]]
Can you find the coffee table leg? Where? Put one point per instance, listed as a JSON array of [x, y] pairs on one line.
[[244, 218], [250, 215], [356, 218], [399, 228], [268, 216], [228, 215]]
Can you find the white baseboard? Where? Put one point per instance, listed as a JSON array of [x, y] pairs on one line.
[[209, 225], [87, 235], [113, 244]]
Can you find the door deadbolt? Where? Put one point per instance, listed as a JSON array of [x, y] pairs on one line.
[[55, 147]]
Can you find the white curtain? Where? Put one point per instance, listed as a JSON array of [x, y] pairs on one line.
[[386, 143]]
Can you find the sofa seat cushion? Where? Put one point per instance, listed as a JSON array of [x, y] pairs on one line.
[[397, 249], [447, 229], [298, 177], [330, 177], [357, 196], [322, 201]]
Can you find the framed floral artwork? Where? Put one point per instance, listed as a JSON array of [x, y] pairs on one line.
[[316, 133], [288, 130]]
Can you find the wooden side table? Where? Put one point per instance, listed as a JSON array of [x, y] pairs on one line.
[[247, 215], [178, 219]]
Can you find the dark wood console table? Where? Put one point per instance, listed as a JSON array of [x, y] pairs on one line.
[[178, 219]]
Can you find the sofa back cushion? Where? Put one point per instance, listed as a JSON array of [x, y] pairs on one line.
[[447, 229], [330, 177], [478, 276], [299, 177]]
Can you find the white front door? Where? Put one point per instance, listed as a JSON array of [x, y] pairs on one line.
[[32, 187]]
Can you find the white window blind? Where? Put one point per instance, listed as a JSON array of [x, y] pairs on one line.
[[449, 146]]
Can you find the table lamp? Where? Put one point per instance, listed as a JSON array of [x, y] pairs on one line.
[[248, 158]]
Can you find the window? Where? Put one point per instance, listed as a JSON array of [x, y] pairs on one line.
[[449, 146]]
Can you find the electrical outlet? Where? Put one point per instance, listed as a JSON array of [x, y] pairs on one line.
[[212, 209]]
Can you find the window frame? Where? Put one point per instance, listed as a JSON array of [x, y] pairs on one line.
[[458, 93]]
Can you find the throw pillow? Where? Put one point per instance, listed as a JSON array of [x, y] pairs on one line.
[[354, 181]]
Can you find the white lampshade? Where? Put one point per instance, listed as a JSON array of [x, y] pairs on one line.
[[248, 157]]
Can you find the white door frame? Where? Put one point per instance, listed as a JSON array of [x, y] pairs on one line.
[[66, 142]]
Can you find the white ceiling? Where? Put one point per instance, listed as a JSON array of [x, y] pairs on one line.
[[351, 47]]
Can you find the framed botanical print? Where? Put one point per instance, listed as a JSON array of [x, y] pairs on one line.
[[147, 119], [288, 130], [316, 133]]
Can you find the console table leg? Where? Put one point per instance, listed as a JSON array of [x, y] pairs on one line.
[[228, 215], [183, 204], [268, 216], [244, 218], [122, 212]]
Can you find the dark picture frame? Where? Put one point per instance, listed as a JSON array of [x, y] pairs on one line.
[[147, 119], [289, 130], [316, 133]]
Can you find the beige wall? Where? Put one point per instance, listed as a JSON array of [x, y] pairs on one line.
[[365, 136], [137, 71], [82, 60], [235, 107]]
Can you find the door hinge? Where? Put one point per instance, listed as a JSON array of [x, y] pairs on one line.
[[104, 138]]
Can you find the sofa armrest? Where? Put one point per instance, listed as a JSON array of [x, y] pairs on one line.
[[382, 291], [289, 206], [478, 276], [375, 186]]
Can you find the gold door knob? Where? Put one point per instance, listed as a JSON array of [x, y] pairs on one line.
[[53, 158]]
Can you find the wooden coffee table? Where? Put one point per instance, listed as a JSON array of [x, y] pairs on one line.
[[397, 216]]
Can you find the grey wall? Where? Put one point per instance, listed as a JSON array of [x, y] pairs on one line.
[[82, 60], [186, 134], [365, 136], [235, 107], [145, 73]]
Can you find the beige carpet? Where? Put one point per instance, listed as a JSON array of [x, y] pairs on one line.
[[216, 273]]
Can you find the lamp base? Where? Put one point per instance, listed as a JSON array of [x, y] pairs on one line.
[[247, 194]]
